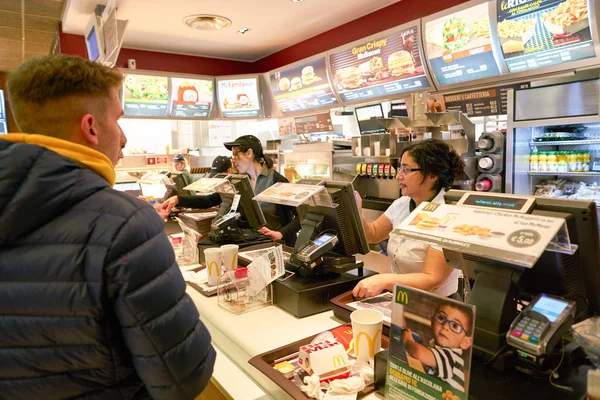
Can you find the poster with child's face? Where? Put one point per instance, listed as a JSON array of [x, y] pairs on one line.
[[431, 339]]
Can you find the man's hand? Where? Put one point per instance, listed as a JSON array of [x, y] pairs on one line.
[[371, 286], [169, 204], [275, 235]]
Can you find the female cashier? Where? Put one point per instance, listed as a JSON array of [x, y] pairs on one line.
[[426, 170], [248, 158]]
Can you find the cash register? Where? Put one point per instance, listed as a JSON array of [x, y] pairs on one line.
[[323, 263]]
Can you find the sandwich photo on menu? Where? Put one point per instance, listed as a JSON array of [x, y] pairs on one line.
[[401, 63]]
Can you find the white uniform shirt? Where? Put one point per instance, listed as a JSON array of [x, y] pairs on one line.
[[408, 256]]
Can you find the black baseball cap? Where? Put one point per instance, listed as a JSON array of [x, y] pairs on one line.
[[248, 142], [220, 164], [179, 158]]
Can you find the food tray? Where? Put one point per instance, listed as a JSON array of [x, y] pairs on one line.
[[264, 363], [206, 290]]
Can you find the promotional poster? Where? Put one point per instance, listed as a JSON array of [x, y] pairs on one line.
[[192, 98], [387, 65], [146, 96], [540, 33], [302, 87], [459, 46], [238, 98], [431, 340]]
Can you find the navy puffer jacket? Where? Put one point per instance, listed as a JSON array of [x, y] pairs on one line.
[[92, 303]]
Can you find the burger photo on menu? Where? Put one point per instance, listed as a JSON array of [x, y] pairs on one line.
[[401, 63], [349, 78]]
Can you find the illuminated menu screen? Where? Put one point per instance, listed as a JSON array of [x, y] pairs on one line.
[[459, 46], [238, 98], [303, 87], [146, 96], [191, 98], [384, 66], [540, 33]]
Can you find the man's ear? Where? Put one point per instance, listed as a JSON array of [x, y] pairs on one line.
[[89, 129], [466, 342]]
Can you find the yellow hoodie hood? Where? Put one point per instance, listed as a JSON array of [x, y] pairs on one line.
[[91, 158]]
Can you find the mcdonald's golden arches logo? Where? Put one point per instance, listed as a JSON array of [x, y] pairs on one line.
[[430, 207], [213, 264], [339, 361], [402, 296], [370, 342]]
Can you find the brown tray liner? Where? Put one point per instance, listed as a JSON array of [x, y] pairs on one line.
[[264, 363], [342, 310]]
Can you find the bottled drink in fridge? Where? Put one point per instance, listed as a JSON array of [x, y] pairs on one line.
[[533, 162]]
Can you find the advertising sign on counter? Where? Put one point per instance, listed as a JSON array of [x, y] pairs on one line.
[[431, 344], [289, 194], [146, 96], [540, 33], [476, 103], [383, 66], [191, 98], [459, 47], [313, 124], [518, 239], [302, 87], [238, 98]]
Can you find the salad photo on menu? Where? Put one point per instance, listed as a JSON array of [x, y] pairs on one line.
[[548, 32], [459, 45], [382, 66], [145, 95]]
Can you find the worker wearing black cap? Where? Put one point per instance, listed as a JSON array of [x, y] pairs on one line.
[[221, 164], [248, 158], [179, 165]]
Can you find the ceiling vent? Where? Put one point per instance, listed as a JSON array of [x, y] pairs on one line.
[[207, 22]]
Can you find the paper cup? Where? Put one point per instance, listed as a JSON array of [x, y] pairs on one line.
[[366, 333], [212, 257], [230, 256]]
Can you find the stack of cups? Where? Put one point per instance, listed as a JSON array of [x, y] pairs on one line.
[[219, 259]]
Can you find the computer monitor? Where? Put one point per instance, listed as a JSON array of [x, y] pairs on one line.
[[367, 119], [499, 287], [343, 219], [251, 215]]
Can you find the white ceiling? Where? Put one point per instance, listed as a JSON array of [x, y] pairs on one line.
[[274, 24]]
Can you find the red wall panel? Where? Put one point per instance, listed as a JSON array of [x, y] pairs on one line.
[[386, 18]]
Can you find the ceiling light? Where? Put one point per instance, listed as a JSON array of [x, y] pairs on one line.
[[243, 30], [297, 1], [207, 22]]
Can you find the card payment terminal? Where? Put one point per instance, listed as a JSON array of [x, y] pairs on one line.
[[540, 326], [312, 250]]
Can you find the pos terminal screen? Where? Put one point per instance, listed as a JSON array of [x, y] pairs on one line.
[[549, 307]]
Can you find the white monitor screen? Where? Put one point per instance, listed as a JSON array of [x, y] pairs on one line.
[[92, 45]]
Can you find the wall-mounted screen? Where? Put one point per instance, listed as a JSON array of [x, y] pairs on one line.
[[542, 33], [367, 119], [2, 106], [459, 47], [145, 96], [383, 66], [398, 109], [191, 98], [239, 98], [302, 87]]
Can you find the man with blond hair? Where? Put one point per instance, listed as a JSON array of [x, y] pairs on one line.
[[92, 302]]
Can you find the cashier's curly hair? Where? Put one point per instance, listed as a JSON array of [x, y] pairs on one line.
[[48, 94], [436, 157]]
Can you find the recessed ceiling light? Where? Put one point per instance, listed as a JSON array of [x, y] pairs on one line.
[[243, 30], [297, 1], [205, 22]]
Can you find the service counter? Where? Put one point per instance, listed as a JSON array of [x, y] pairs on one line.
[[238, 338]]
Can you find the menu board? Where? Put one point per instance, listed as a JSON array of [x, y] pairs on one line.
[[476, 103], [383, 66], [238, 98], [146, 96], [459, 47], [302, 87], [191, 98], [540, 33], [313, 124]]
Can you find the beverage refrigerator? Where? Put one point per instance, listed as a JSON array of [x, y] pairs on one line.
[[553, 141]]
